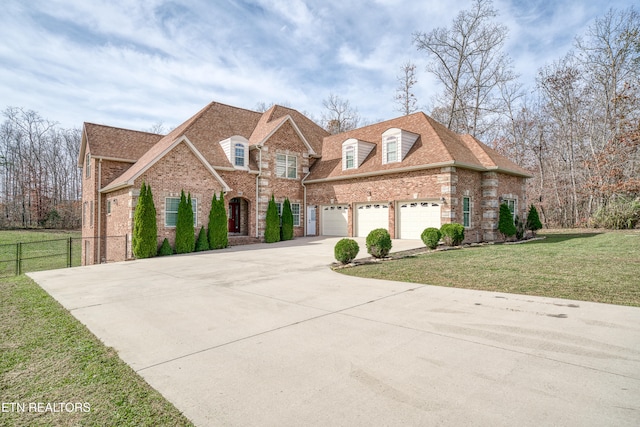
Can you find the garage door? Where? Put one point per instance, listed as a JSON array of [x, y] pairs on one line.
[[334, 220], [414, 217], [370, 216]]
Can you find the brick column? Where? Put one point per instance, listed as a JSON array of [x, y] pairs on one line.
[[448, 180], [490, 206]]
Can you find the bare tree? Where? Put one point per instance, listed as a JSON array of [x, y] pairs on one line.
[[158, 128], [339, 115], [467, 60], [40, 183], [406, 99]]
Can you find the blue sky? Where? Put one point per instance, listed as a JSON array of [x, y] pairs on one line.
[[133, 64]]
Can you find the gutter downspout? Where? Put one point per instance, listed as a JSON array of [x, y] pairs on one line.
[[258, 190], [99, 210], [305, 203]]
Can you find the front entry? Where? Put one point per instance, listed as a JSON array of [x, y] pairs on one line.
[[234, 215], [311, 220]]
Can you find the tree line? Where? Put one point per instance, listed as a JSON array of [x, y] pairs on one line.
[[40, 183]]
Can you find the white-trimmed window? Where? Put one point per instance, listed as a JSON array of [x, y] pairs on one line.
[[286, 166], [295, 210], [391, 149], [240, 151], [349, 158], [91, 214], [171, 211], [466, 211], [87, 165], [108, 207]]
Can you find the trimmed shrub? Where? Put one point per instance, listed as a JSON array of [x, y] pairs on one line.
[[533, 220], [272, 227], [379, 243], [452, 234], [145, 229], [165, 248], [218, 233], [346, 250], [505, 221], [287, 220], [185, 233], [202, 244], [430, 237]]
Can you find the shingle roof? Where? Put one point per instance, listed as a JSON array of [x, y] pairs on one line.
[[435, 146], [108, 141]]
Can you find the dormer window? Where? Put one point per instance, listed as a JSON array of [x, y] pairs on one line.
[[396, 143], [240, 155], [354, 152], [391, 150], [235, 148], [349, 157]]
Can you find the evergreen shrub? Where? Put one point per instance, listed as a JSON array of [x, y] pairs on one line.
[[533, 220], [505, 221], [272, 227], [378, 243], [218, 233], [185, 233], [202, 244], [287, 220], [165, 248], [346, 250], [144, 241], [430, 237], [452, 234]]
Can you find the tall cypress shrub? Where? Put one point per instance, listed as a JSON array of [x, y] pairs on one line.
[[533, 220], [145, 230], [505, 222], [218, 227], [272, 226], [185, 234], [287, 220]]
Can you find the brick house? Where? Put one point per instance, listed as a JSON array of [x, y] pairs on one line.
[[404, 175]]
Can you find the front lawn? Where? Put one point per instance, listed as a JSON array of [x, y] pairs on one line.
[[599, 267], [54, 372]]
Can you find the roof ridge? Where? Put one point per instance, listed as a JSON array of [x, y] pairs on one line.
[[120, 128]]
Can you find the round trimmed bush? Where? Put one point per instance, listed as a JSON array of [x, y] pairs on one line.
[[346, 250], [379, 243], [430, 237], [452, 234]]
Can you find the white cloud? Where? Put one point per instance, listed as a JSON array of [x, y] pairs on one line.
[[133, 64]]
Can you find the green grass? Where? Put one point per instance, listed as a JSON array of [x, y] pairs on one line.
[[599, 267], [40, 250], [47, 356]]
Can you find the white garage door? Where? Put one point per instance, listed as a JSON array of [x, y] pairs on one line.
[[370, 216], [334, 220], [415, 216]]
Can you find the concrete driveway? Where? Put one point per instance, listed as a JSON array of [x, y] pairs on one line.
[[267, 335]]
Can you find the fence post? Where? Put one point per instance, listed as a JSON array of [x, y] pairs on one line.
[[69, 253], [19, 259]]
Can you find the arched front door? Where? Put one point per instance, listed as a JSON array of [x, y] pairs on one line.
[[234, 215]]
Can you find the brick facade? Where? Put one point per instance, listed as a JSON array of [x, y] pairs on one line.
[[440, 170]]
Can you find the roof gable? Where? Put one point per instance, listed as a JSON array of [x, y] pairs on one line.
[[115, 143], [152, 157]]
